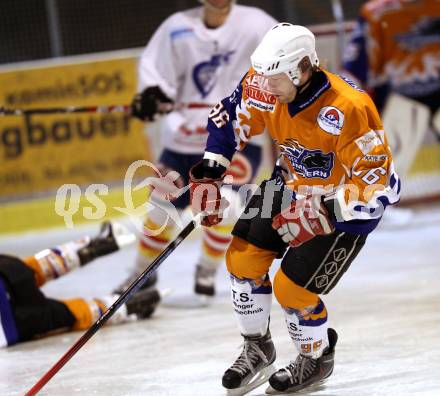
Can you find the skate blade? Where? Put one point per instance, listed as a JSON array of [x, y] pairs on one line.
[[259, 379], [307, 389], [205, 301], [165, 293]]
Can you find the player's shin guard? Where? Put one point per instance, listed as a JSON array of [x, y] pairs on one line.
[[305, 314], [88, 311], [308, 329], [305, 372], [315, 343], [252, 300], [52, 263]]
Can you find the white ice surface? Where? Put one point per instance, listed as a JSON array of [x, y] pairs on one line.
[[386, 310]]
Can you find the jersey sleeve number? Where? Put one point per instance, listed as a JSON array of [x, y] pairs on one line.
[[219, 115], [371, 176]]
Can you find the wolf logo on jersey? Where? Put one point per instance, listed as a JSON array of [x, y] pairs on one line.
[[307, 163], [205, 73]]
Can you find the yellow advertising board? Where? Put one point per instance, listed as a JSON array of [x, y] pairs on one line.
[[39, 153]]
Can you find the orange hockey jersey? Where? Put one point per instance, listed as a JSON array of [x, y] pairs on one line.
[[330, 137], [396, 46]]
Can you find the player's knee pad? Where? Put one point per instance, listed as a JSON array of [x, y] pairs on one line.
[[291, 295], [246, 261]]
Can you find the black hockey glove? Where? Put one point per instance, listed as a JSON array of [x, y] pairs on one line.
[[145, 105]]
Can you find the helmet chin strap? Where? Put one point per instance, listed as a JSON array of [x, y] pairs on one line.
[[296, 81], [299, 87], [295, 78]]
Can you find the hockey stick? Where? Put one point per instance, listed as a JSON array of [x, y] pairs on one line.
[[164, 108], [131, 290], [71, 109], [338, 14]]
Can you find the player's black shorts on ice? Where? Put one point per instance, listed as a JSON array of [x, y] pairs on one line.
[[32, 313], [317, 264]]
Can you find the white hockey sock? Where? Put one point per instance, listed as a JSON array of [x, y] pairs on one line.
[[215, 242], [252, 300], [158, 230], [308, 329]]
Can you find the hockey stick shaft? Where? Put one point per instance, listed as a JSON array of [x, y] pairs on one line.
[[97, 109], [131, 290], [338, 14], [70, 109]]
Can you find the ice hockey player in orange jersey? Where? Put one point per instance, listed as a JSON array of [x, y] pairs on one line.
[[395, 47], [394, 53], [328, 191]]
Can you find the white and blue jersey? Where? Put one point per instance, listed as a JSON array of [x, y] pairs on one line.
[[192, 63]]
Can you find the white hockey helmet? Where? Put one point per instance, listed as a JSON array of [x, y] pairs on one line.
[[281, 50]]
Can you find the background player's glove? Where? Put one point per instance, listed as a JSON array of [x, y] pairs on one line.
[[305, 219], [146, 105], [205, 194]]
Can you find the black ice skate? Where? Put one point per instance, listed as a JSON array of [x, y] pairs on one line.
[[304, 372], [253, 367], [149, 284], [143, 303], [205, 280], [111, 238]]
